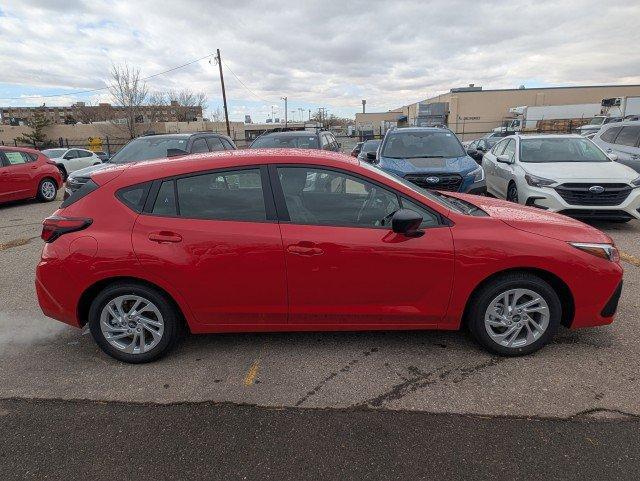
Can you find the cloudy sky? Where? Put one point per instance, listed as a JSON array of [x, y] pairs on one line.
[[317, 53]]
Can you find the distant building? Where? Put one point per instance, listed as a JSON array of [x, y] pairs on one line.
[[82, 113]]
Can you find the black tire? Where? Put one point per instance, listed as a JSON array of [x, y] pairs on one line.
[[512, 192], [169, 313], [482, 298], [47, 194], [63, 172]]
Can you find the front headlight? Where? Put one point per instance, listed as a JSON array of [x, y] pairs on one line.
[[636, 182], [535, 181], [604, 251], [478, 174]]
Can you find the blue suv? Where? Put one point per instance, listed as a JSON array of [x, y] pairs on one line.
[[432, 158]]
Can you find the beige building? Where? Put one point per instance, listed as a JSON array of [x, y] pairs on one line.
[[472, 111]]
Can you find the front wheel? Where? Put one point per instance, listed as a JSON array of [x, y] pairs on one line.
[[512, 193], [133, 323], [514, 314]]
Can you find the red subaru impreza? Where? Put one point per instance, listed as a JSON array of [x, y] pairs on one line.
[[27, 173], [296, 240]]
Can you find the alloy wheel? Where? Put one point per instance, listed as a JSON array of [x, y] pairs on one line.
[[48, 190], [512, 194], [517, 318], [132, 324]]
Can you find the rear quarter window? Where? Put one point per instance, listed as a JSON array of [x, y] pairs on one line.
[[134, 197]]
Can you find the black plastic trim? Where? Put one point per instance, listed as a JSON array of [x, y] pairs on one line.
[[83, 191], [612, 305]]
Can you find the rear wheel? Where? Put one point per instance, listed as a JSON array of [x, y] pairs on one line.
[[133, 323], [512, 193], [515, 314], [47, 190]]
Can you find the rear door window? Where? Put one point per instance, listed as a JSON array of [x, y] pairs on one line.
[[199, 146], [233, 195], [165, 203], [628, 136], [215, 144], [16, 158], [610, 134], [510, 149]]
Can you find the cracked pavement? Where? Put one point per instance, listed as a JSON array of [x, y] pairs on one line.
[[593, 371]]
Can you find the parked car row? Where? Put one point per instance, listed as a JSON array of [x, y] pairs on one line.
[[26, 174]]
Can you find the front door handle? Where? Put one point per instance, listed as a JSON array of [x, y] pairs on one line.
[[165, 236], [305, 248]]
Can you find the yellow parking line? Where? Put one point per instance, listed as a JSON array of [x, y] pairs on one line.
[[633, 260], [15, 243], [252, 373]]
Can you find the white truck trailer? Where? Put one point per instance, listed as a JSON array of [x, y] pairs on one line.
[[529, 118]]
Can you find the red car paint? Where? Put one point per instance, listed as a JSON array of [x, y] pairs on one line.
[[21, 181], [231, 276]]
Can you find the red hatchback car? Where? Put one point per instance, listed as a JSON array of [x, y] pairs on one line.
[[27, 173], [291, 240]]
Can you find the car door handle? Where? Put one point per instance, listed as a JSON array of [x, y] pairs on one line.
[[164, 236], [305, 248]]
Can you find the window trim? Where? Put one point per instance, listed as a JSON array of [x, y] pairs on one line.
[[283, 212], [267, 194]]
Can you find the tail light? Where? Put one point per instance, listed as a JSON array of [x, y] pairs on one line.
[[55, 226]]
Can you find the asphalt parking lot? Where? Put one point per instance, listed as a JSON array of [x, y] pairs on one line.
[[590, 372]]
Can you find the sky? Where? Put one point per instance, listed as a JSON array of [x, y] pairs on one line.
[[327, 53]]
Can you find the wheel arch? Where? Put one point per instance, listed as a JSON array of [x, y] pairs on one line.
[[84, 303], [559, 286]]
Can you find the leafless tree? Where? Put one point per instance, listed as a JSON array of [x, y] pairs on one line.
[[129, 92], [158, 101], [186, 103], [216, 115]]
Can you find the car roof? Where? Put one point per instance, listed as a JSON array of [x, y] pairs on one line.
[[20, 149], [548, 136], [418, 129], [290, 133], [149, 170]]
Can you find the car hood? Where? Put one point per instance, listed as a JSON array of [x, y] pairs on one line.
[[87, 171], [537, 221], [425, 165], [590, 172]]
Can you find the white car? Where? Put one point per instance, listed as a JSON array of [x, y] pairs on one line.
[[562, 173], [70, 160]]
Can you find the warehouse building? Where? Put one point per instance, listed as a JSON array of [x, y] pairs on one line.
[[472, 111]]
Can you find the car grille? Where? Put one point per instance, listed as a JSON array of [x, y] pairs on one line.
[[450, 182], [579, 194], [593, 214]]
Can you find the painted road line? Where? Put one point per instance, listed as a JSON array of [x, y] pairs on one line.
[[633, 260], [252, 373]]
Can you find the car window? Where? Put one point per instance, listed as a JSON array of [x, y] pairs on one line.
[[324, 141], [286, 141], [610, 134], [72, 154], [234, 195], [199, 146], [628, 136], [85, 153], [429, 218], [563, 149], [54, 153], [410, 144], [16, 158], [165, 203], [227, 145], [474, 145], [327, 197], [215, 144], [147, 148], [499, 147], [510, 149]]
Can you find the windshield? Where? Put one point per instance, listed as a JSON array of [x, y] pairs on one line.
[[286, 142], [596, 121], [560, 150], [53, 153], [451, 203], [370, 146], [147, 148], [420, 144]]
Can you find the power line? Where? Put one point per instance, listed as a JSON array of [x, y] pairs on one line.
[[244, 85], [80, 92]]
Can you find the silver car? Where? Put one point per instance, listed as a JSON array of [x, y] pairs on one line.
[[622, 140]]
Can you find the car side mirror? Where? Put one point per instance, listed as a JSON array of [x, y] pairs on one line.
[[176, 152], [613, 157], [407, 222], [371, 156], [67, 157], [505, 159]]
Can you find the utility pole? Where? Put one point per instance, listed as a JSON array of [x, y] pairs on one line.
[[224, 94], [364, 102], [285, 111]]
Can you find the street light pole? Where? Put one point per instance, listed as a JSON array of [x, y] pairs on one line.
[[285, 111]]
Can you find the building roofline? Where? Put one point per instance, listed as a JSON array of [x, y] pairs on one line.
[[543, 88]]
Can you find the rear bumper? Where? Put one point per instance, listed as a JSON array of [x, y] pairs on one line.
[[54, 291]]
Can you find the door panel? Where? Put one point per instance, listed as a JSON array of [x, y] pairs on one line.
[[355, 276], [17, 176], [228, 272]]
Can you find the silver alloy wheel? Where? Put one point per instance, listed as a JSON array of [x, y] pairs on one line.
[[48, 190], [132, 324], [517, 318]]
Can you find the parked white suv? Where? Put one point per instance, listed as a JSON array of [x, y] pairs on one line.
[[562, 173], [70, 160]]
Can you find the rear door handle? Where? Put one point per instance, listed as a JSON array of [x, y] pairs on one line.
[[164, 236], [305, 248]]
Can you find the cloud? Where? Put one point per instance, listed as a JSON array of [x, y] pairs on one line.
[[330, 53]]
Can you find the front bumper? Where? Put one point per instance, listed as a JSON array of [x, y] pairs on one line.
[[548, 199], [477, 188]]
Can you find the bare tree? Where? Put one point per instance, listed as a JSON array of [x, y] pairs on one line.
[[216, 115], [158, 102], [187, 104], [129, 92]]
